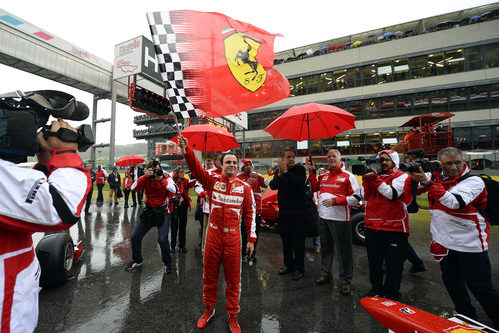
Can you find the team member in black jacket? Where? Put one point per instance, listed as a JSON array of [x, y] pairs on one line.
[[136, 172], [114, 180], [289, 180]]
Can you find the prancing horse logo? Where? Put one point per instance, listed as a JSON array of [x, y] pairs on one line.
[[240, 53]]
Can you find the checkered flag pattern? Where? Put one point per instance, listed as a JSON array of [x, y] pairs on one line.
[[170, 65]]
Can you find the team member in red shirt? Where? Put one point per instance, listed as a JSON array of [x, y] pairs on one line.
[[127, 186], [101, 176], [257, 182], [230, 200], [159, 187], [386, 225], [338, 191]]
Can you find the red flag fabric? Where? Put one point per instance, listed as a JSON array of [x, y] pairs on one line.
[[214, 63]]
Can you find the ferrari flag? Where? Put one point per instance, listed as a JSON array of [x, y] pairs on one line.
[[213, 64]]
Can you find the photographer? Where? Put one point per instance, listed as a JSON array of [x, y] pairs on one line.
[[33, 202], [386, 225], [159, 187], [460, 233]]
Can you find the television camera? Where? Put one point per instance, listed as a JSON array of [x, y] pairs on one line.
[[369, 165], [420, 161], [23, 115]]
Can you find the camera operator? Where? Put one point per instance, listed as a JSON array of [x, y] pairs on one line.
[[33, 202], [159, 187], [460, 233], [386, 225]]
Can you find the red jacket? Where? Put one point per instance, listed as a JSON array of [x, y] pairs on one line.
[[183, 186], [101, 177], [158, 192], [127, 183], [257, 182], [230, 198], [383, 211]]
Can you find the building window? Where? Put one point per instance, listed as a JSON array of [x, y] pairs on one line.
[[389, 140], [339, 78], [373, 142], [458, 99], [421, 103], [462, 137], [355, 108], [494, 96], [353, 77], [358, 144], [454, 60], [439, 101], [482, 137], [300, 86], [492, 55], [474, 58], [368, 75], [313, 84], [401, 69], [385, 72], [417, 66], [254, 121], [371, 108], [343, 144], [404, 105], [478, 98], [326, 83], [436, 64], [292, 89], [387, 106]]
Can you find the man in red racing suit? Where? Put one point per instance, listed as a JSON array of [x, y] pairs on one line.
[[33, 202], [230, 199]]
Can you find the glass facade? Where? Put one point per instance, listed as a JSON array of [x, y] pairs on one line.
[[434, 64]]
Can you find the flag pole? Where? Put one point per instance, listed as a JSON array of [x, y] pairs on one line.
[[178, 127]]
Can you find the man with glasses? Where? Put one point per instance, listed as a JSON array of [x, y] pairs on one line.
[[460, 233]]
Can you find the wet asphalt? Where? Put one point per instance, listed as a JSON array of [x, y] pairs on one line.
[[103, 297]]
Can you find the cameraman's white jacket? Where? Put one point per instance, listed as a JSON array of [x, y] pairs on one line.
[[31, 202]]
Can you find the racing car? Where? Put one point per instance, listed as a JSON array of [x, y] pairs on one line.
[[270, 215]]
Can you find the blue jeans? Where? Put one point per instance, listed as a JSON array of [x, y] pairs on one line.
[[163, 230]]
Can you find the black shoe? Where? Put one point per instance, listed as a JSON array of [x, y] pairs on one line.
[[134, 205], [126, 206], [284, 270], [132, 265], [168, 269], [417, 269], [345, 289], [373, 293], [116, 203], [173, 250], [297, 276], [252, 261], [111, 204], [323, 280], [393, 297], [183, 250]]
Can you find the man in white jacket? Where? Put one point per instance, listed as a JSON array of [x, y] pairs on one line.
[[460, 233], [32, 201]]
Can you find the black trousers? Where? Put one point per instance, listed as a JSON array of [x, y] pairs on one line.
[[293, 241], [461, 269], [127, 195], [89, 198], [390, 247], [413, 257], [139, 195], [179, 225], [244, 234]]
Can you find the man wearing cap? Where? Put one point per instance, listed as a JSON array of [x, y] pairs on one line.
[[256, 181], [386, 225]]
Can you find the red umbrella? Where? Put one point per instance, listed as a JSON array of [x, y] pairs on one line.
[[311, 121], [208, 138], [129, 160]]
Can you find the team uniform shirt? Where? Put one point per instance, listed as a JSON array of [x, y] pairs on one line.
[[455, 223], [230, 200], [31, 202], [101, 177], [158, 192], [127, 183], [257, 182], [339, 185], [387, 198], [183, 186]]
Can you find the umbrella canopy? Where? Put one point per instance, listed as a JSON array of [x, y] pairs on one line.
[[311, 121], [129, 160], [208, 138]]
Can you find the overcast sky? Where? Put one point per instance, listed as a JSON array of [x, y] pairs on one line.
[[96, 26]]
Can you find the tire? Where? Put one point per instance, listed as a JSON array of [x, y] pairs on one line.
[[358, 235], [55, 252]]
